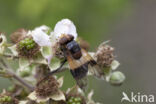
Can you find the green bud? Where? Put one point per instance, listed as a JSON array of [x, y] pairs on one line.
[[117, 78]]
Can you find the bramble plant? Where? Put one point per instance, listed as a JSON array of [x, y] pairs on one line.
[[38, 53]]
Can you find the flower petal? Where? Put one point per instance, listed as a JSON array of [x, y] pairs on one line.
[[40, 37], [65, 26]]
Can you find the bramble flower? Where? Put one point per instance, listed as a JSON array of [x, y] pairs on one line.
[[2, 43], [48, 89], [27, 47], [40, 35], [104, 55], [105, 59], [65, 26]]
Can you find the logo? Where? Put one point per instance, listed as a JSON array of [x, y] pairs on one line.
[[137, 98]]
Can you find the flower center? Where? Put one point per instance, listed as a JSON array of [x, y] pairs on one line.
[[28, 43]]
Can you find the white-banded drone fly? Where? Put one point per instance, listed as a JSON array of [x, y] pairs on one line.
[[78, 59]]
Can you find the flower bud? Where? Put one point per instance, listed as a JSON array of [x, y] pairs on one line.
[[117, 78]]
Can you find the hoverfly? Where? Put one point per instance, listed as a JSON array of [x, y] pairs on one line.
[[78, 59]]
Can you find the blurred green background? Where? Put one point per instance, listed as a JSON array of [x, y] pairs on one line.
[[129, 24]]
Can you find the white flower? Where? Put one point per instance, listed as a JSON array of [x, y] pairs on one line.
[[40, 36], [65, 26]]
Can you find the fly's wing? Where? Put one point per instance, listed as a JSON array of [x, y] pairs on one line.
[[79, 70], [92, 65]]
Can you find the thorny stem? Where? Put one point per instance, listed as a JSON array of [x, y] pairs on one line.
[[19, 79]]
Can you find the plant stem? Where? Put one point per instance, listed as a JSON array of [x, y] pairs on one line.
[[19, 79]]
